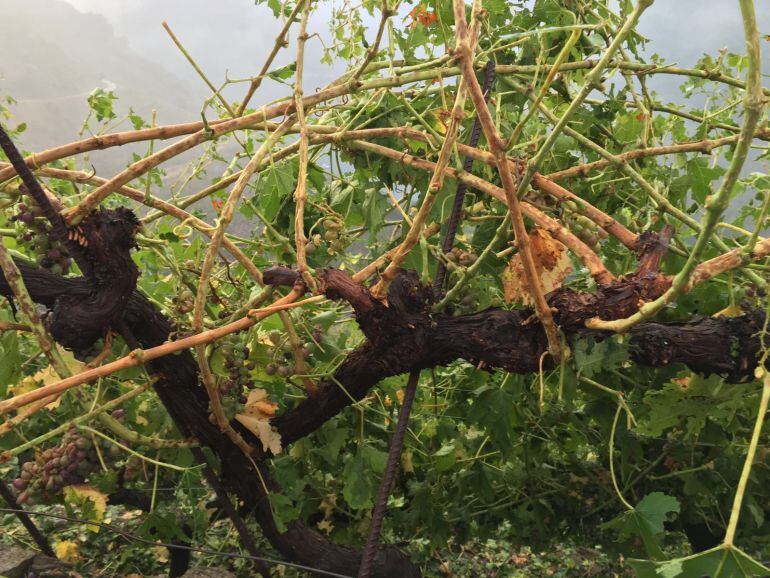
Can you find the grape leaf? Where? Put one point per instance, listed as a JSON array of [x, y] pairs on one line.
[[720, 562], [359, 482], [646, 521]]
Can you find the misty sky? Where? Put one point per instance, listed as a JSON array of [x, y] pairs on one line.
[[226, 36], [234, 37]]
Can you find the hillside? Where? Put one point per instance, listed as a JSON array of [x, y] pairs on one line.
[[54, 56]]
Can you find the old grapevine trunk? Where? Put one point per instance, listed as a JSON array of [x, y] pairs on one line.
[[402, 335]]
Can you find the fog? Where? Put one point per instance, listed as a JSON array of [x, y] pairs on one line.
[[55, 52]]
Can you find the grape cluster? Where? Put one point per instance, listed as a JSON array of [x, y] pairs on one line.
[[133, 468], [184, 302], [283, 353], [467, 300], [313, 243], [586, 230], [33, 231], [464, 258], [237, 363], [333, 236], [69, 462], [234, 385]]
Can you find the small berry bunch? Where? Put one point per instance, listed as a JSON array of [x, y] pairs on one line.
[[69, 462], [33, 235]]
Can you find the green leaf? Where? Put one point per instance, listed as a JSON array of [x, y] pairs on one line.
[[719, 562], [334, 440], [275, 184], [654, 509], [136, 121], [164, 527], [100, 101], [375, 209], [284, 72], [689, 402], [10, 368], [646, 521], [591, 358], [316, 177], [284, 510], [360, 484], [702, 176], [446, 456]]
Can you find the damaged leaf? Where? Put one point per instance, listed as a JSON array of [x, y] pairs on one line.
[[256, 418], [552, 262]]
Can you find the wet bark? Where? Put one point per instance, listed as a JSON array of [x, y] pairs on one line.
[[179, 389], [401, 335]]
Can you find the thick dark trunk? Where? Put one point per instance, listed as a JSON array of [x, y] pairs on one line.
[[187, 403], [402, 335], [179, 390]]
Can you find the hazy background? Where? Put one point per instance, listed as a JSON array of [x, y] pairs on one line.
[[53, 53]]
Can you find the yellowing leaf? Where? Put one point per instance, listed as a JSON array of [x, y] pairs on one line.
[[326, 526], [551, 261], [256, 395], [67, 551], [256, 418], [732, 310], [90, 502], [25, 385], [160, 553], [682, 382], [439, 119], [259, 406], [328, 505], [45, 376], [406, 462], [48, 376], [261, 428], [263, 409]]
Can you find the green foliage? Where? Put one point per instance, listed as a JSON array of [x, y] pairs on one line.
[[360, 485], [101, 102], [717, 562], [646, 521], [492, 481]]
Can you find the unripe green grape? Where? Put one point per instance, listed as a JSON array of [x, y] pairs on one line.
[[332, 225]]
